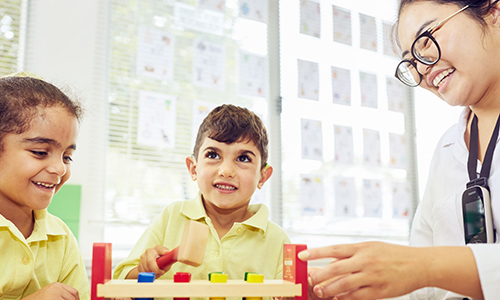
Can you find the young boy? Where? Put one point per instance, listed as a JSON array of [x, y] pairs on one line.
[[229, 162]]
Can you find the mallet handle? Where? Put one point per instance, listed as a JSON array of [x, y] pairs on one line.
[[169, 258]]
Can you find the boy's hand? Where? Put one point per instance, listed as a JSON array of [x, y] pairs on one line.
[[55, 291], [148, 261]]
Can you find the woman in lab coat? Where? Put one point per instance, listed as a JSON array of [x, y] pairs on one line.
[[451, 48]]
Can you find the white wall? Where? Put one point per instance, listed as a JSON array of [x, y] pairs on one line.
[[66, 44]]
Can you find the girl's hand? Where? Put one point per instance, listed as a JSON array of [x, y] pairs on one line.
[[55, 291], [369, 270]]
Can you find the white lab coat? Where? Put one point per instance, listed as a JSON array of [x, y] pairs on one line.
[[438, 219]]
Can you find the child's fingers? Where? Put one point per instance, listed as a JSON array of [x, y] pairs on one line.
[[147, 262], [161, 250], [71, 291]]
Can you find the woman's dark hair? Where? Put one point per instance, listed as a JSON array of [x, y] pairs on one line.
[[477, 10], [23, 98], [228, 124]]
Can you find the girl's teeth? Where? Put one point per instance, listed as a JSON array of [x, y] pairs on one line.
[[45, 184]]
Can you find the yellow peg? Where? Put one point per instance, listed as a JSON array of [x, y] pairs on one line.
[[217, 277], [254, 278]]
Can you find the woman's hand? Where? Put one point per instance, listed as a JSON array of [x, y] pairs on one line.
[[370, 270]]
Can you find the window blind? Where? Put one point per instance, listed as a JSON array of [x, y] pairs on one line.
[[171, 62], [10, 30]]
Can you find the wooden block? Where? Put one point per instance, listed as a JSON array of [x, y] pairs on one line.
[[101, 267], [191, 250], [294, 269]]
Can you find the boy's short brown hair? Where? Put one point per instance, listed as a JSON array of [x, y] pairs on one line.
[[228, 124]]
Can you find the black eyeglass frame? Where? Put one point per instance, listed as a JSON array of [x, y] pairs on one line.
[[428, 33]]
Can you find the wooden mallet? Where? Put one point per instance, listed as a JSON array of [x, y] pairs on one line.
[[191, 250]]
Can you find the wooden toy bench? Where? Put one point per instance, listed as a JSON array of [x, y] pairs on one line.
[[294, 283]]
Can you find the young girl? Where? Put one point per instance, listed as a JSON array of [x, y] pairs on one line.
[[39, 254], [451, 48]]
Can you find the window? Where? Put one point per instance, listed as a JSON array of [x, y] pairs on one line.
[[171, 63], [347, 127], [10, 24], [349, 169]]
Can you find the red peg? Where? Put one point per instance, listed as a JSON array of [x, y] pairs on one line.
[[182, 277]]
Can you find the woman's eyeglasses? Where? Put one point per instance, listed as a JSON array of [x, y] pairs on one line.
[[425, 50]]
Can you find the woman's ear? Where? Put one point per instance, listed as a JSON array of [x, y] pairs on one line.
[[495, 13], [191, 166], [265, 174]]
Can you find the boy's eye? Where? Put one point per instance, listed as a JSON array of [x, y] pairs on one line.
[[244, 158], [68, 159], [212, 155]]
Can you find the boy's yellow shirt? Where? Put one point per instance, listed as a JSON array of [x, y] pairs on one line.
[[49, 255], [255, 245]]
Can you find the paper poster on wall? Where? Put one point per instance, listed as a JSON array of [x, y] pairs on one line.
[[215, 5], [388, 45], [368, 32], [372, 198], [371, 147], [155, 53], [311, 195], [209, 65], [204, 20], [342, 32], [308, 85], [345, 197], [397, 95], [341, 86], [252, 74], [401, 200], [343, 144], [312, 139], [310, 18], [156, 119], [254, 10], [397, 149], [369, 90]]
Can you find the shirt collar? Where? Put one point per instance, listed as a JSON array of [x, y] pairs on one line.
[[194, 210], [48, 223], [43, 226]]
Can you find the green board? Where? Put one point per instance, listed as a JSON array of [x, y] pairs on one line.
[[66, 205]]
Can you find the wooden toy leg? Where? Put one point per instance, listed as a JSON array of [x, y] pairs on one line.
[[294, 269], [101, 267]]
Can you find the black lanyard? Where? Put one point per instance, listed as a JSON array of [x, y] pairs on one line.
[[473, 155]]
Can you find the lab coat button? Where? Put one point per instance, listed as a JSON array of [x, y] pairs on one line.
[[26, 260]]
